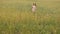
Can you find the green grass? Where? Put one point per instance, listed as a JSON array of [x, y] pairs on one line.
[[16, 17]]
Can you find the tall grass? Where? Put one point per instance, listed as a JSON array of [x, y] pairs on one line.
[[17, 18]]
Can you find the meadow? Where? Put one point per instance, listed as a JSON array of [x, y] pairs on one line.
[[16, 17]]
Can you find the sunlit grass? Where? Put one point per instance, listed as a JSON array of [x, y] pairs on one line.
[[17, 18]]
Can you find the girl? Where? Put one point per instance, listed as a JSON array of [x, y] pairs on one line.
[[34, 7]]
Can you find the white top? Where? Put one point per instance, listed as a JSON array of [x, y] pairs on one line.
[[33, 8]]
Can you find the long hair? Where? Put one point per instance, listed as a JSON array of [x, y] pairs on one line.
[[34, 3]]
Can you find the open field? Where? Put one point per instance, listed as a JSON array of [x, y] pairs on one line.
[[16, 17]]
